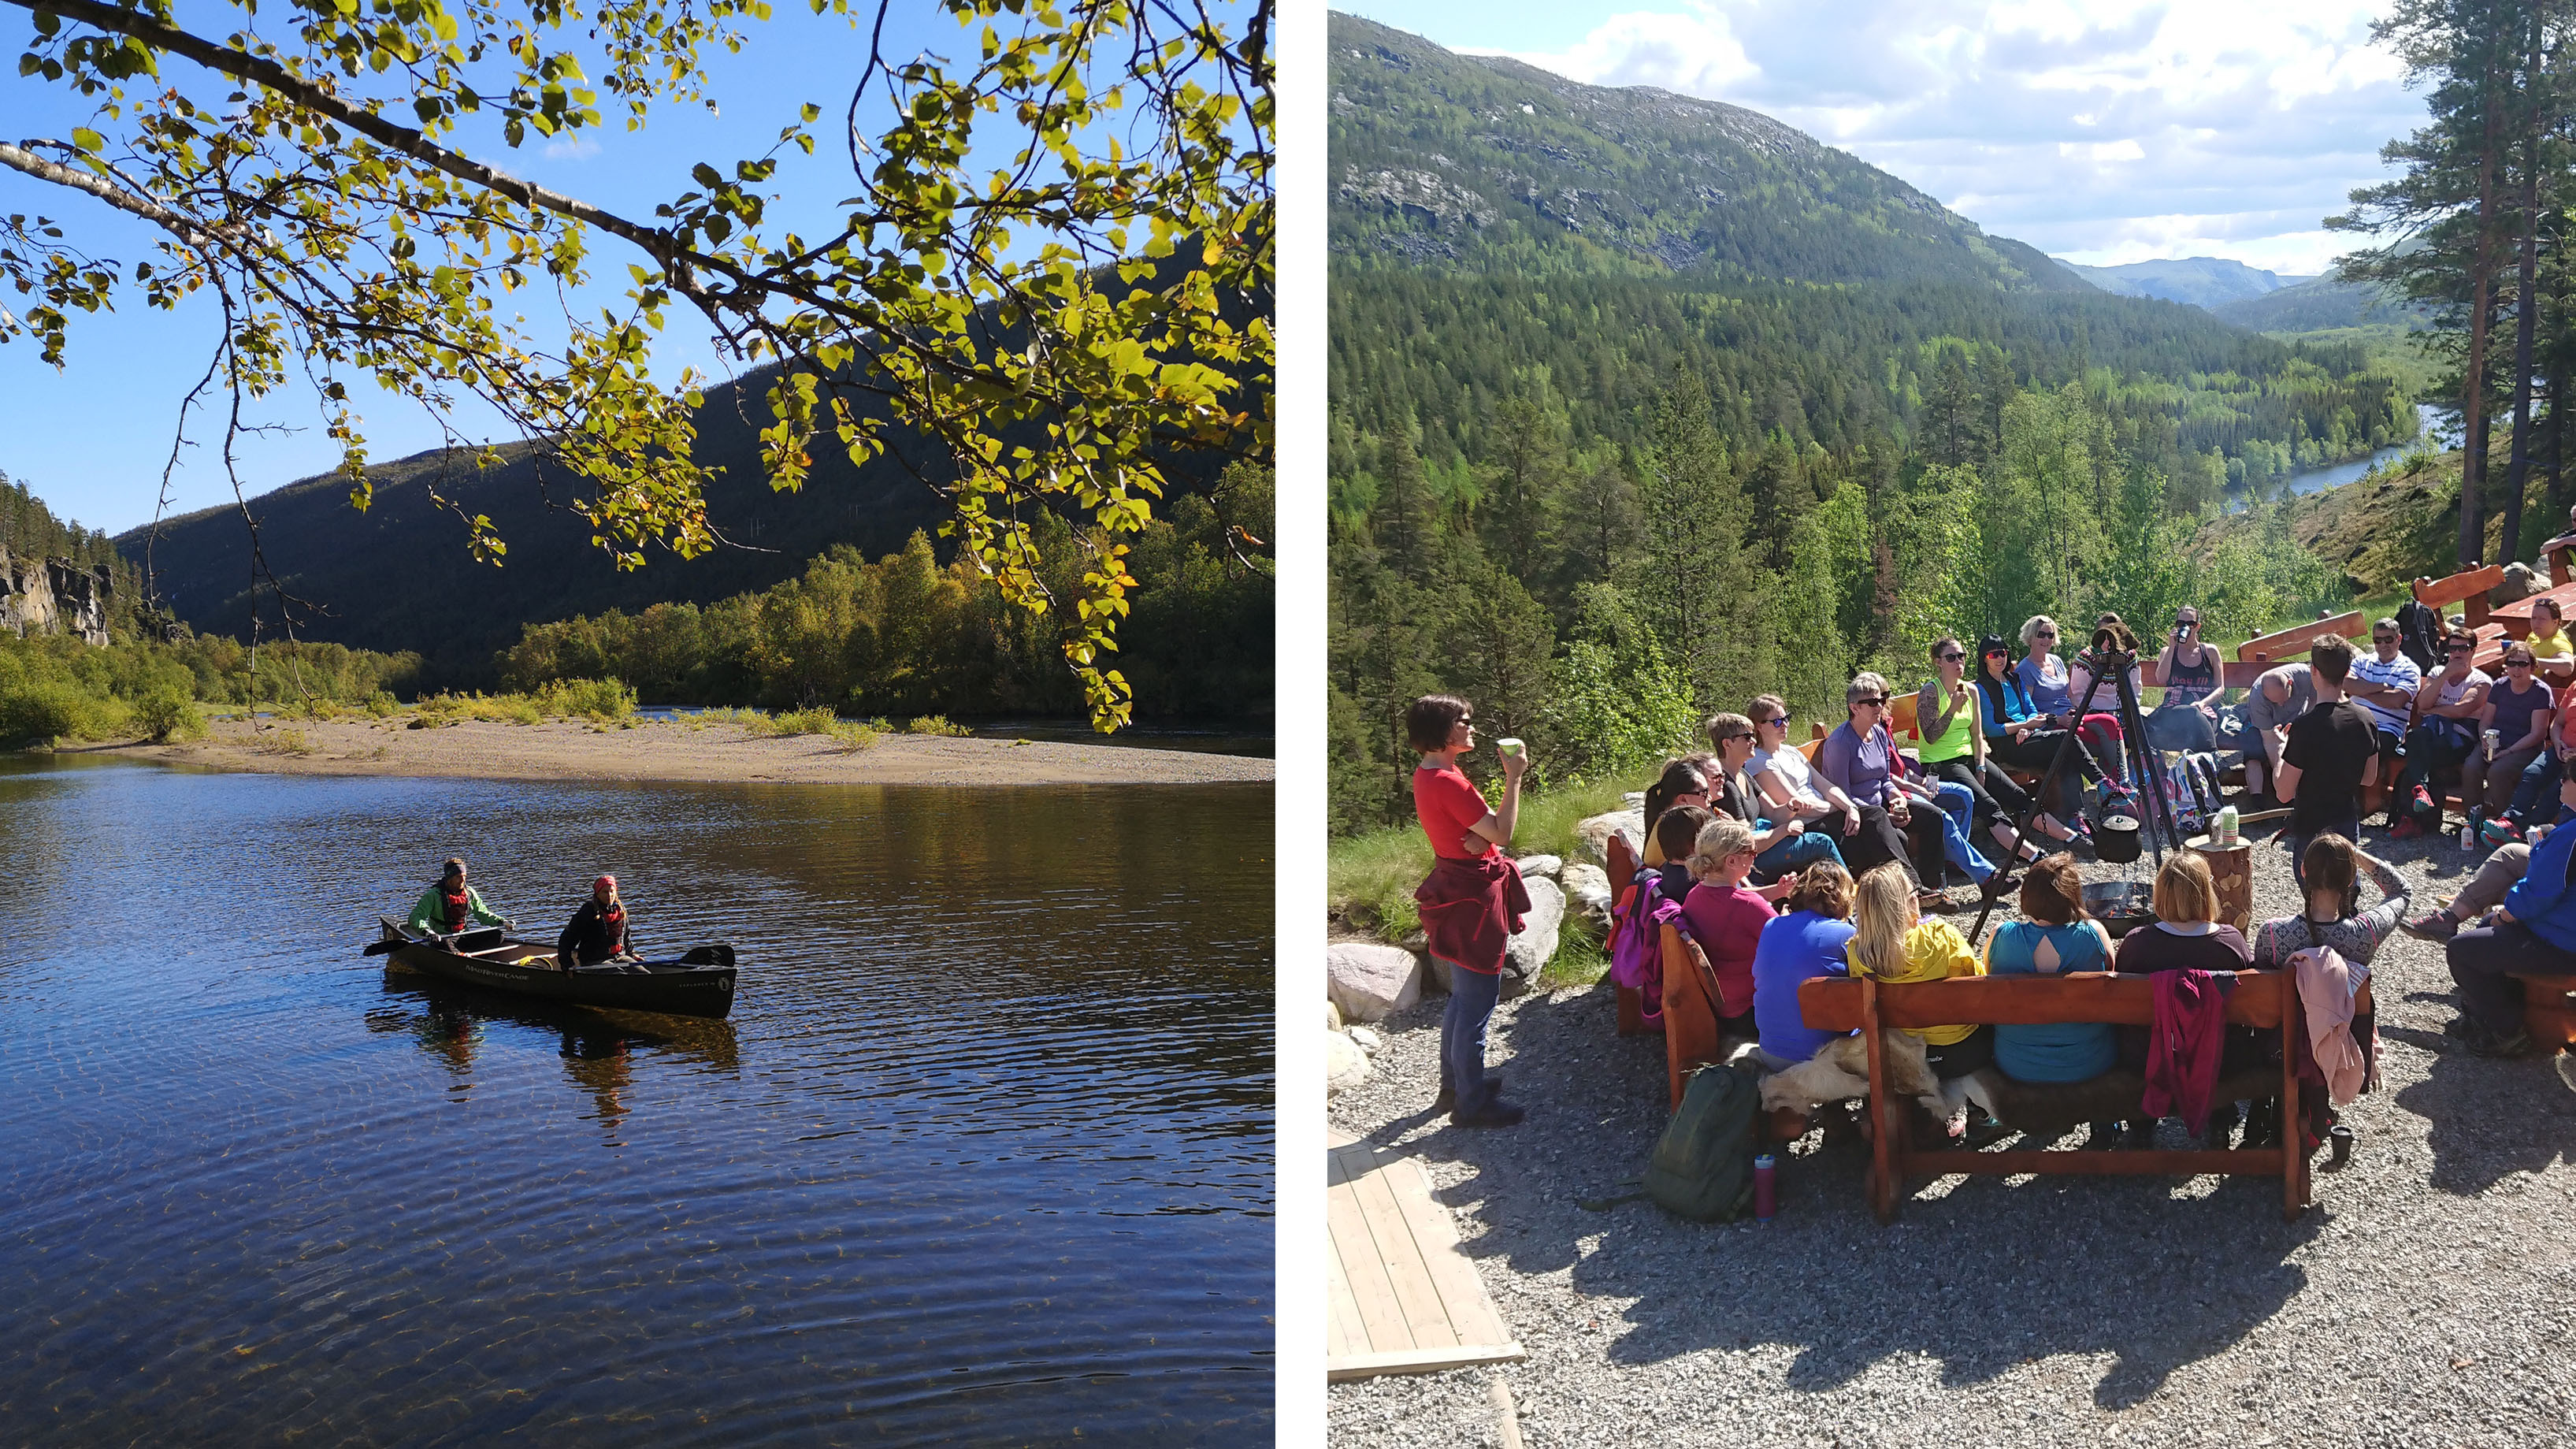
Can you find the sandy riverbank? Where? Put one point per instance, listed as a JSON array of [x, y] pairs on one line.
[[672, 750]]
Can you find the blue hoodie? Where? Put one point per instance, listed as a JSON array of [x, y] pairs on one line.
[[2545, 899]]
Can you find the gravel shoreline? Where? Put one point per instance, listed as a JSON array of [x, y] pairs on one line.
[[2428, 1297]]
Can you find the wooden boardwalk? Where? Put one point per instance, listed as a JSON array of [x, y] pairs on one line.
[[1403, 1299]]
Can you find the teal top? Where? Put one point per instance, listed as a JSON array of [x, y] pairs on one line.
[[2058, 1051]]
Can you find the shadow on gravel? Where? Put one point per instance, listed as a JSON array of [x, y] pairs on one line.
[[1980, 1274], [2487, 1119]]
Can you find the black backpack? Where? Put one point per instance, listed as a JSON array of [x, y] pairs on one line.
[[1703, 1164], [2417, 627]]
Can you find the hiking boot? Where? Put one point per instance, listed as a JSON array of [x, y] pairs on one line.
[[2464, 1027], [2423, 800], [2104, 1137], [1447, 1101], [2431, 926], [2499, 832], [2516, 1045], [1497, 1113], [2405, 828]]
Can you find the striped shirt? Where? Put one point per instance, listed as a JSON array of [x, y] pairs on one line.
[[2399, 673]]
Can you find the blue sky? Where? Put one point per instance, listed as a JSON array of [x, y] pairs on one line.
[[91, 439], [2100, 132]]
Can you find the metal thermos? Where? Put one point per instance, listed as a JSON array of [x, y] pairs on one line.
[[1766, 1188], [2493, 738]]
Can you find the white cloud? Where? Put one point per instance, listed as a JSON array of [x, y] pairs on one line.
[[2094, 129], [575, 147]]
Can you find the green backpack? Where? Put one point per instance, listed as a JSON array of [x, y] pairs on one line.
[[1703, 1164]]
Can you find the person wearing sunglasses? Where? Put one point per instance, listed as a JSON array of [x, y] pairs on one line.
[[1782, 844], [1861, 760], [1683, 782], [1473, 901], [1786, 784], [2519, 710], [2448, 707], [2046, 679], [2553, 655], [2188, 670], [1947, 713], [2383, 682], [2022, 737]]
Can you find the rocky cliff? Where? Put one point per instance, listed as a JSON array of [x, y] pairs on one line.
[[53, 596]]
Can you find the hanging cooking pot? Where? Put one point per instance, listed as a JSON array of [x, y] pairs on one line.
[[2115, 839]]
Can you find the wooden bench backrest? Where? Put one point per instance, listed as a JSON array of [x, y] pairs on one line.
[[1810, 747], [2472, 585], [2292, 642], [1690, 1014], [1833, 1003], [1622, 864]]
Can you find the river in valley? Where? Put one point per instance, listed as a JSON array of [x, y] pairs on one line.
[[983, 1154], [2429, 424]]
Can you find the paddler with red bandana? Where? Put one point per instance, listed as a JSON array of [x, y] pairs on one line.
[[451, 905], [598, 929]]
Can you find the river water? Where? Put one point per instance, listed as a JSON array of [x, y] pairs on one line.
[[2334, 475], [983, 1155]]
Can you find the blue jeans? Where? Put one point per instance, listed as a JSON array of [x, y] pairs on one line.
[[2349, 828], [1795, 853], [1956, 803], [1472, 995], [2538, 781]]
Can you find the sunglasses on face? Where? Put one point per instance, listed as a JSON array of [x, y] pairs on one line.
[[2517, 664], [1738, 735], [1874, 702], [2045, 634], [1953, 657], [1774, 720]]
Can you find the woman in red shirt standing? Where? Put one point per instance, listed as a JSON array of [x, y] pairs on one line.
[[1472, 902]]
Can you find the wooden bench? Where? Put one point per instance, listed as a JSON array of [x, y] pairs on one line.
[[1691, 1039], [2263, 999], [1622, 871], [2549, 1009]]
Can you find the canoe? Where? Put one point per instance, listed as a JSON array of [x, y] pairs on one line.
[[698, 984]]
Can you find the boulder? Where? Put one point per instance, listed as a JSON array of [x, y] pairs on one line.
[[1345, 1065], [1536, 943], [1587, 889], [1540, 865], [1369, 1041], [1332, 1017], [1368, 981], [1594, 834], [1435, 975], [2520, 583]]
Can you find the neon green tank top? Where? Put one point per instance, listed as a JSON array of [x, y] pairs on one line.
[[1953, 743]]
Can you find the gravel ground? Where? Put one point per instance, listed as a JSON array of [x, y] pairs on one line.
[[2425, 1299]]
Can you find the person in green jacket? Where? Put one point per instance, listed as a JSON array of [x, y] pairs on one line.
[[451, 905]]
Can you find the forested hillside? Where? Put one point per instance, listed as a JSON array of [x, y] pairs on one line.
[[1640, 404], [2208, 282]]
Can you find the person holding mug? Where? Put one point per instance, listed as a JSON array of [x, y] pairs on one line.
[[1473, 901], [2188, 670]]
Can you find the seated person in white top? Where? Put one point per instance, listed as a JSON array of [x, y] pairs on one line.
[[2383, 683]]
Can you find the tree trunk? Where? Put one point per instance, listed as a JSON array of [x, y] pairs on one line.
[[2473, 452], [2526, 306]]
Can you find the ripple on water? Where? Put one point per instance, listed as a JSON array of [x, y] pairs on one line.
[[983, 1154]]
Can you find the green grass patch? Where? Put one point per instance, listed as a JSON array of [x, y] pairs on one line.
[[1369, 878], [934, 724]]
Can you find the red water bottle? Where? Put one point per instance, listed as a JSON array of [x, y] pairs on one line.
[[1766, 1191]]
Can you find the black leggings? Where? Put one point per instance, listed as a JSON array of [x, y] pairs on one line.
[[1880, 840], [2036, 751], [1994, 797]]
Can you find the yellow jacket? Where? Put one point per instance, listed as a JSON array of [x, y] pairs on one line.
[[1934, 951]]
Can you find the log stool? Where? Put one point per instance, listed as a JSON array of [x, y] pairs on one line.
[[2231, 869]]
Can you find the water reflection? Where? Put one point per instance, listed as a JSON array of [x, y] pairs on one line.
[[981, 1156]]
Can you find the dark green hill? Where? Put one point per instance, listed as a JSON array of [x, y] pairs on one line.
[[399, 576], [1440, 158], [2316, 305]]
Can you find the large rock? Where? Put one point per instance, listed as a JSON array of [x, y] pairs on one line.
[[1594, 834], [1536, 943], [1369, 981], [2520, 583], [1587, 889], [1539, 865], [1345, 1065]]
